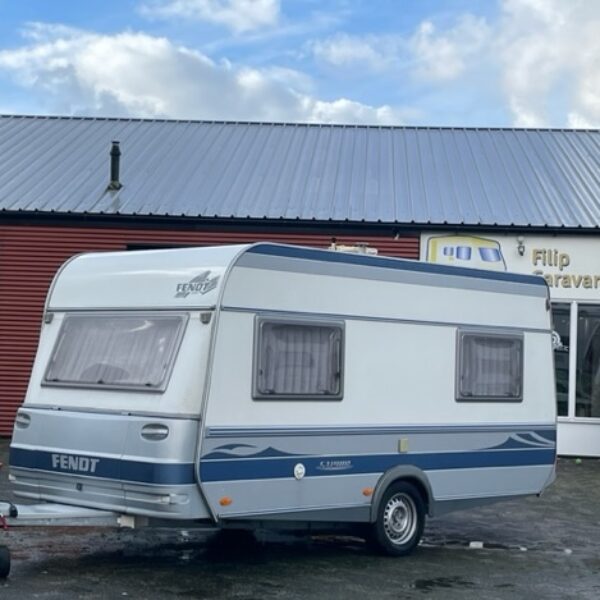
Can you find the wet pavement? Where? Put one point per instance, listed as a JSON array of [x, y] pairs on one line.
[[533, 547]]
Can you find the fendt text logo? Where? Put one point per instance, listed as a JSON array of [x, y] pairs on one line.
[[200, 284], [79, 464]]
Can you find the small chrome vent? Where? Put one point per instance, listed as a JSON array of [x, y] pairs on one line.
[[155, 432], [23, 420]]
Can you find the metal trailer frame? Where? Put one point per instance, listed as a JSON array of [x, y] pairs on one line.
[[49, 514]]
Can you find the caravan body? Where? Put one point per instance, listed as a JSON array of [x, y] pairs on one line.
[[268, 382]]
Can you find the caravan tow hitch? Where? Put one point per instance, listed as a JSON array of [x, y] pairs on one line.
[[48, 515]]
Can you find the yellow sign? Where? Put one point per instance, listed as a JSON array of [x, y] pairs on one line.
[[466, 251], [569, 264]]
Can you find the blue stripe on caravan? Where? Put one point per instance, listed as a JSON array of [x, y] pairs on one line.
[[240, 469], [390, 263], [107, 468], [245, 469]]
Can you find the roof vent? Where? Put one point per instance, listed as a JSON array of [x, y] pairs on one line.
[[115, 163], [356, 248]]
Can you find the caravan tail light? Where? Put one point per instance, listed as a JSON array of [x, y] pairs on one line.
[[155, 432]]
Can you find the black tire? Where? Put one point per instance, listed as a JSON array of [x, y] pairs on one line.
[[400, 520], [4, 562]]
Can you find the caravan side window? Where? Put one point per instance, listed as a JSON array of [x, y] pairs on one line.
[[490, 367], [297, 360], [116, 351]]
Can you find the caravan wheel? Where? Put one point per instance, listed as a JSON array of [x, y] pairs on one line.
[[400, 519]]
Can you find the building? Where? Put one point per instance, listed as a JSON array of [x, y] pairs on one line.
[[522, 200]]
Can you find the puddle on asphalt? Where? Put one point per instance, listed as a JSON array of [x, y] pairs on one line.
[[224, 547], [466, 544], [429, 585]]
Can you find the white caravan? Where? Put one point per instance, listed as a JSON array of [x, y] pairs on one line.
[[262, 385]]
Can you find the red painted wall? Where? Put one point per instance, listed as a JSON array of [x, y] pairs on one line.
[[30, 256]]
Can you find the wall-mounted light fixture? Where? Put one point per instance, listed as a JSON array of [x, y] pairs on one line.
[[520, 245]]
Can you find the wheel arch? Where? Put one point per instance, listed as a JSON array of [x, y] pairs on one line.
[[410, 474]]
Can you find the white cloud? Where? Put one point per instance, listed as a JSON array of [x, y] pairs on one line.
[[290, 78], [551, 49], [344, 50], [430, 54], [541, 58], [237, 15], [546, 52], [135, 74], [445, 55], [348, 111]]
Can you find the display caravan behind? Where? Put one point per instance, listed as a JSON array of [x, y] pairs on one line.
[[268, 384]]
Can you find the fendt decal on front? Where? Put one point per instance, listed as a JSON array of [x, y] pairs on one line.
[[76, 464], [201, 284]]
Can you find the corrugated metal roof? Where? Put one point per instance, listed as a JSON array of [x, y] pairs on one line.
[[393, 175]]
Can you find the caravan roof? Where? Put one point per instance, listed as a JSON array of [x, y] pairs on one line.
[[181, 278], [192, 277]]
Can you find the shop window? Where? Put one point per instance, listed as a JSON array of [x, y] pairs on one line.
[[561, 343], [587, 400]]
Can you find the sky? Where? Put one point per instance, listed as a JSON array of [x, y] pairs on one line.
[[463, 63]]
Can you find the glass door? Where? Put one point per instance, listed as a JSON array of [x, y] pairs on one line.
[[587, 396], [561, 340], [576, 341]]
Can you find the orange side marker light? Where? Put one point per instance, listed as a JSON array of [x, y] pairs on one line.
[[225, 501], [367, 492]]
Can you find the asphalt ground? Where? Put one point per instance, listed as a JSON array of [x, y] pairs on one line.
[[535, 547]]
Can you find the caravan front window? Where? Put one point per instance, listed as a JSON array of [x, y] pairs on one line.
[[115, 351], [490, 367], [298, 360]]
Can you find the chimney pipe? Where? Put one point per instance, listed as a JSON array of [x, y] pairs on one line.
[[115, 160]]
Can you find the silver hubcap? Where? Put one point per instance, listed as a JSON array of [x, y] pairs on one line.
[[400, 518]]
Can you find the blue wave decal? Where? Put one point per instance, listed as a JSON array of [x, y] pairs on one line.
[[234, 446], [269, 452], [508, 444], [545, 435], [534, 440], [523, 441], [274, 452]]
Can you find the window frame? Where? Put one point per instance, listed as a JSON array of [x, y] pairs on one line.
[[260, 321], [460, 357], [129, 387]]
